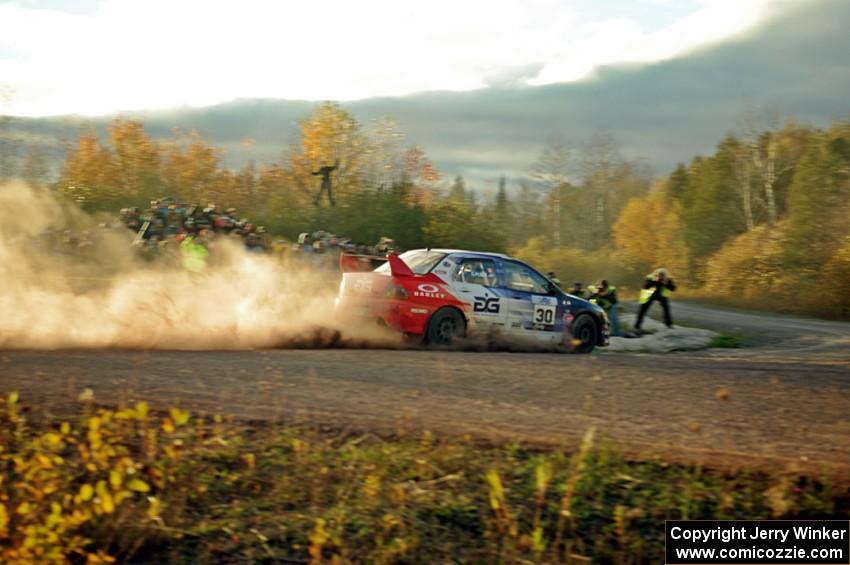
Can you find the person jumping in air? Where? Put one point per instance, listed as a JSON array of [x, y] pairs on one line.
[[325, 173], [657, 287]]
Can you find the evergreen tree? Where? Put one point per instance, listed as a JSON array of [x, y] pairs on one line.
[[818, 202], [710, 208], [458, 190], [501, 208], [677, 183]]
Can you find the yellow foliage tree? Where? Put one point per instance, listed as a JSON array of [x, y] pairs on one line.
[[836, 274], [422, 174], [330, 136], [571, 264], [647, 234], [84, 174], [134, 170], [191, 169], [749, 267]]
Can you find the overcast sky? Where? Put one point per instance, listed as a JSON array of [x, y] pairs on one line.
[[480, 86], [98, 57]]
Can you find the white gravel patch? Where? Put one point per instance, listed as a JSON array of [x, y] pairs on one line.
[[662, 340]]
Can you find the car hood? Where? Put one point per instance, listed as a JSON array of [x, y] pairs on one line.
[[575, 301]]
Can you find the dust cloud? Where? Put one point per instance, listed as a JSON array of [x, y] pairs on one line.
[[102, 295]]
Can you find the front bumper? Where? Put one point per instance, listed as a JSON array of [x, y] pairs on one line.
[[605, 333]]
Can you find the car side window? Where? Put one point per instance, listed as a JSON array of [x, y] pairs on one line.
[[523, 278], [476, 271]]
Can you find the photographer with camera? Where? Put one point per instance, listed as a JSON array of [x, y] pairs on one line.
[[657, 288]]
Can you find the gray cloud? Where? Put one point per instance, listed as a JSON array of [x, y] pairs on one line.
[[512, 76]]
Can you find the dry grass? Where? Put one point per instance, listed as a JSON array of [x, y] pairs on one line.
[[126, 484]]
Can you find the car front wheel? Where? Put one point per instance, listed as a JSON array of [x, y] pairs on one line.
[[584, 334]]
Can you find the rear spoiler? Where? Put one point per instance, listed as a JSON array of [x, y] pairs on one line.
[[398, 268]]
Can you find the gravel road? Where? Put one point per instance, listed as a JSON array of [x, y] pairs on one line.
[[784, 402]]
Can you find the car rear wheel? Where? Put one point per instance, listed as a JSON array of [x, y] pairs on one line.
[[584, 334], [445, 326]]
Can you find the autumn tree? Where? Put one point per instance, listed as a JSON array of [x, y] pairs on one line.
[[330, 136], [387, 162], [382, 153], [836, 273], [84, 175], [134, 170], [191, 170], [287, 210], [648, 234], [422, 175], [248, 195]]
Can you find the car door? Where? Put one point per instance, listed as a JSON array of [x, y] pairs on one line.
[[475, 281], [533, 309]]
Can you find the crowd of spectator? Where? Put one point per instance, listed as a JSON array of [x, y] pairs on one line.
[[162, 230], [168, 219]]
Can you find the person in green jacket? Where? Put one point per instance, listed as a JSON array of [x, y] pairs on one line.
[[657, 288], [193, 252], [605, 296]]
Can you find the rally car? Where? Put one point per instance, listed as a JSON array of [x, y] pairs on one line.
[[442, 294]]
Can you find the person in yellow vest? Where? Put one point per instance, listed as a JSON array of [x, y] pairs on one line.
[[657, 288], [193, 252]]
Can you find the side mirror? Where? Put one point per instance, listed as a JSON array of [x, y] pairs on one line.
[[551, 289]]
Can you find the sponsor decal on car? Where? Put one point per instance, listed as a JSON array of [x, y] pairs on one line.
[[426, 290], [363, 285], [486, 304]]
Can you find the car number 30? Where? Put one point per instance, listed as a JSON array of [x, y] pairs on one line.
[[544, 314]]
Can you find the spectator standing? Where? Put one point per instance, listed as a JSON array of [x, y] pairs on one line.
[[657, 288]]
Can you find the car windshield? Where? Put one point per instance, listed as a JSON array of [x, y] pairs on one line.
[[420, 261]]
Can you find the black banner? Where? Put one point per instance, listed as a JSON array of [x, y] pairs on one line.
[[757, 542]]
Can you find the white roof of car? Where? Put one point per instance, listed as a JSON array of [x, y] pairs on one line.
[[464, 251]]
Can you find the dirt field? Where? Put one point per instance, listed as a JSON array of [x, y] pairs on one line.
[[785, 401]]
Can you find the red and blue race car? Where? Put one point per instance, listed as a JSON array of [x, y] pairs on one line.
[[442, 294]]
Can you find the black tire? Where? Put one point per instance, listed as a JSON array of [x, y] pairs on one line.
[[584, 330], [445, 325]]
